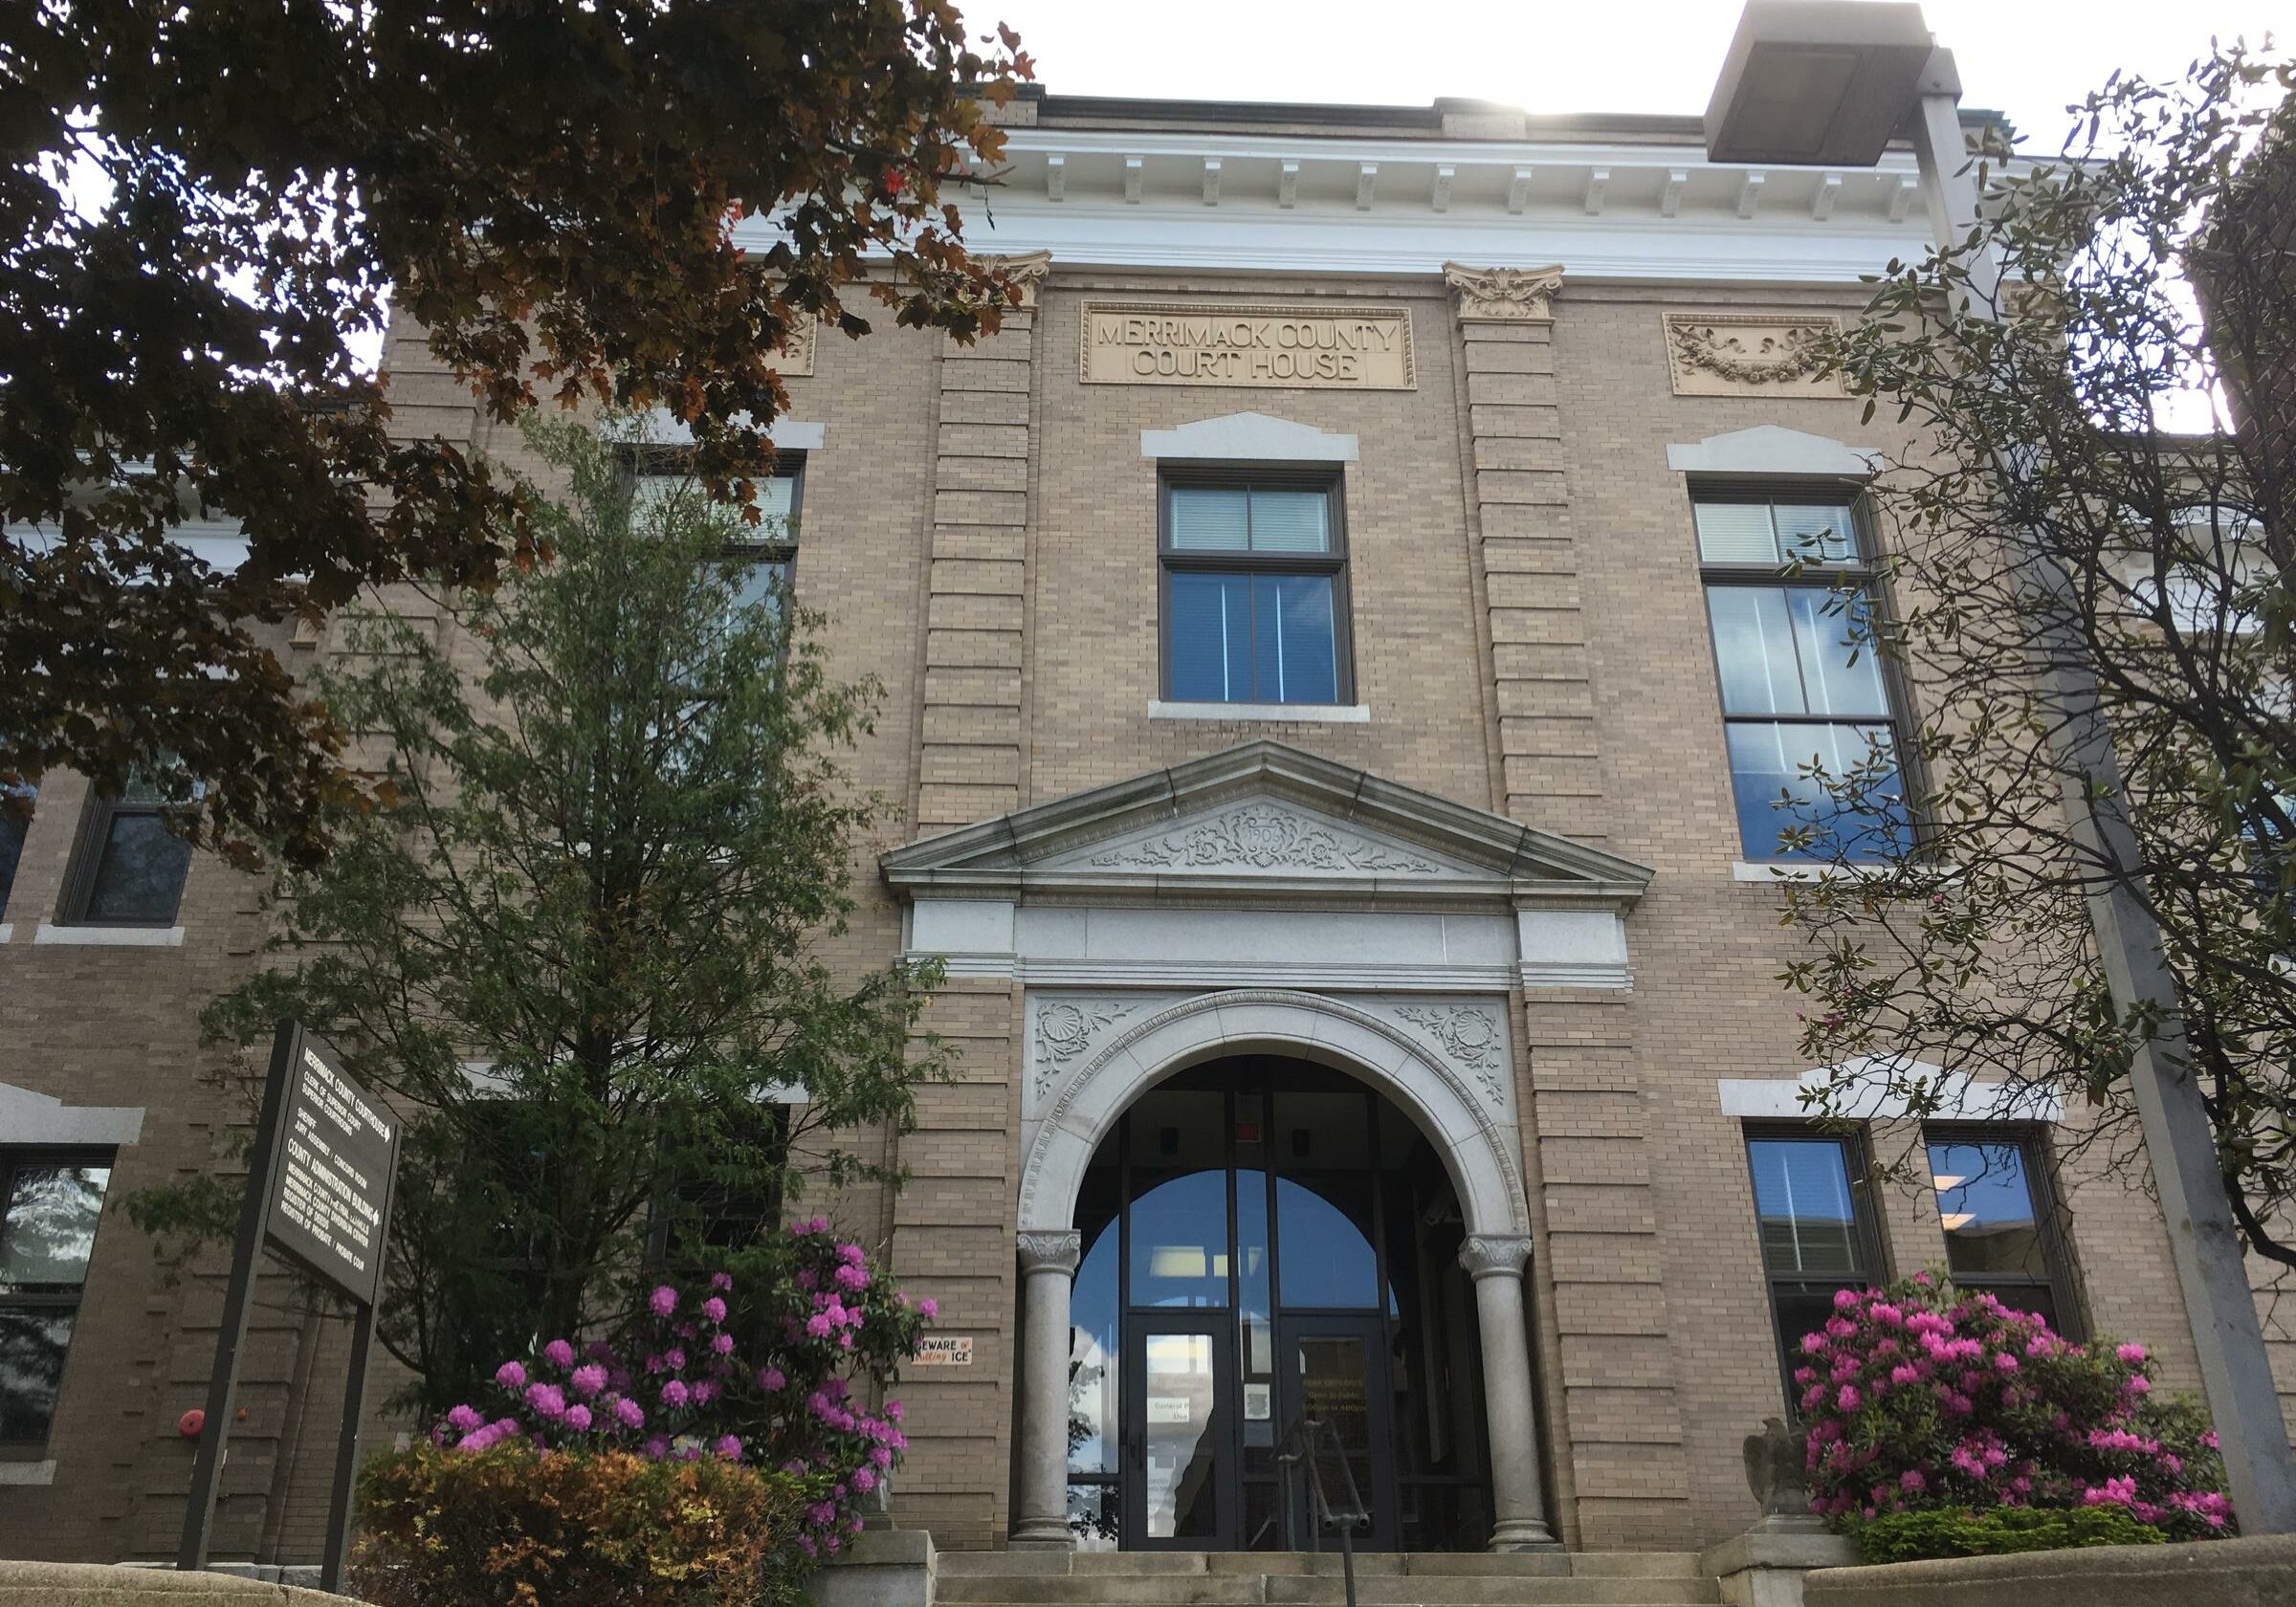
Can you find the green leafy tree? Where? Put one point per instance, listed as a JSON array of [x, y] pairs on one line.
[[205, 211], [2043, 419], [577, 942]]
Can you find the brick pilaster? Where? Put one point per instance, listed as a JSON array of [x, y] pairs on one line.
[[1541, 668]]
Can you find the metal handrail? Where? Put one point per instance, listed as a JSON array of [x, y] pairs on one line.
[[1298, 1447]]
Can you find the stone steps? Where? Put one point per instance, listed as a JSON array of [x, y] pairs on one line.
[[1052, 1578]]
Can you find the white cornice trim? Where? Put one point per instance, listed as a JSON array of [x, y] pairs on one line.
[[29, 1117], [1957, 1096], [1248, 437], [1769, 449]]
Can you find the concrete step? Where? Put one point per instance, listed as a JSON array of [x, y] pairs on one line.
[[1512, 1565], [1168, 1588]]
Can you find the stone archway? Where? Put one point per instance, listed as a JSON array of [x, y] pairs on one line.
[[1332, 1032]]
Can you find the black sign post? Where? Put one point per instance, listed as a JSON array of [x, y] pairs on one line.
[[319, 1190]]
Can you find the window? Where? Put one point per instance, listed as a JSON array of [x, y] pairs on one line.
[[1254, 590], [766, 550], [128, 869], [731, 1204], [1795, 691], [1999, 1234], [1817, 1237], [12, 826], [49, 1205]]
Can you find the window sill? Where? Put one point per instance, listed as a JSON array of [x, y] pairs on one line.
[[1769, 872], [28, 1472], [110, 937], [1328, 713]]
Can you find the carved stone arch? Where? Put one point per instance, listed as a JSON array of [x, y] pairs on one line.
[[1311, 1027]]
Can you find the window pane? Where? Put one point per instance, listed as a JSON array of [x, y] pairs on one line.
[[1802, 1197], [1753, 647], [11, 841], [139, 875], [1986, 1202], [1179, 1228], [1802, 1309], [49, 1228], [1765, 763], [1292, 521], [1832, 683], [1296, 658], [777, 496], [1735, 533], [1210, 642], [760, 579], [1204, 520], [1816, 534], [33, 1342]]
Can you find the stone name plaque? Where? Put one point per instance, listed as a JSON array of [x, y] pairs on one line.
[[1184, 343]]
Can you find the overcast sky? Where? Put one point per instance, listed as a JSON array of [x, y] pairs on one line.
[[2030, 58]]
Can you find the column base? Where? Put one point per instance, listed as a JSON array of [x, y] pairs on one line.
[[1041, 1534], [1522, 1534]]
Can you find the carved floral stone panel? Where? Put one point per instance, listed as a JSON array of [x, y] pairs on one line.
[[1741, 354], [796, 359], [1265, 837], [1065, 1028], [1471, 1036]]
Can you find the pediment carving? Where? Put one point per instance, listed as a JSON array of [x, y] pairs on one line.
[[1266, 836]]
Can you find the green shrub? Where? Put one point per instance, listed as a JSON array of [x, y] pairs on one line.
[[512, 1527], [1911, 1536]]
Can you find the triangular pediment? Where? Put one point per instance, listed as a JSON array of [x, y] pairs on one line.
[[1261, 818]]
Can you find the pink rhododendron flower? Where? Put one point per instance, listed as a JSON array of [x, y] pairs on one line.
[[818, 1325], [547, 1400], [558, 1353], [770, 1378], [673, 1394], [663, 1301], [511, 1375], [2132, 1355], [722, 1280], [729, 1446], [714, 1308], [629, 1414], [587, 1381], [864, 1480], [1848, 1399], [929, 1306], [722, 1344], [464, 1418]]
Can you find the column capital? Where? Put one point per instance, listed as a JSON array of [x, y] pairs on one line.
[[1056, 1251], [1494, 1255], [1503, 295], [1025, 271]]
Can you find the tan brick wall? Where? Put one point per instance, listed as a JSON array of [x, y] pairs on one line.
[[1529, 635]]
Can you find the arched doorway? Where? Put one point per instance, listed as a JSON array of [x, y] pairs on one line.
[[1464, 1116], [1262, 1238]]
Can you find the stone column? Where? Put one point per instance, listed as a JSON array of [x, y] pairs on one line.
[[1517, 1499], [1048, 1269]]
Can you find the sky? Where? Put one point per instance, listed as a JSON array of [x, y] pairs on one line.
[[2030, 58]]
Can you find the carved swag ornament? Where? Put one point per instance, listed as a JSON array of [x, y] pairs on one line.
[[1716, 356]]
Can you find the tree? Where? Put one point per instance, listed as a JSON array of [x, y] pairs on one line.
[[1952, 926], [204, 211], [575, 942]]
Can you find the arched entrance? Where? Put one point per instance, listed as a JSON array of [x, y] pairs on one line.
[[1263, 1238], [1163, 1181]]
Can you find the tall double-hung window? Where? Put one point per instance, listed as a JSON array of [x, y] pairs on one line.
[[1254, 590], [763, 555], [1802, 694]]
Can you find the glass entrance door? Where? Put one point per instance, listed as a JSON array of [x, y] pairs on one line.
[[1334, 1371], [1181, 1492], [1264, 1239]]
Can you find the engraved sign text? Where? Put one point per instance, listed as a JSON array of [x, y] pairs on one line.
[[1322, 348]]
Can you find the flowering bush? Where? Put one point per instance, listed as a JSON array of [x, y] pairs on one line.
[[1922, 1397], [770, 1370]]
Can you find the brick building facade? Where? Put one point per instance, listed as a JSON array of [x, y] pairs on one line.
[[1330, 653]]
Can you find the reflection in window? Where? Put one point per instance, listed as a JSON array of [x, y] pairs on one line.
[[12, 826], [48, 1209], [130, 868], [1988, 1205], [1801, 684], [1815, 1236], [1253, 594]]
